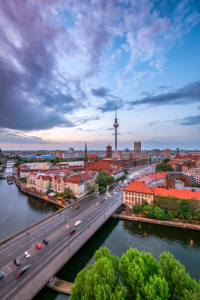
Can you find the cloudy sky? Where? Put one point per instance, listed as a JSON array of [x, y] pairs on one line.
[[64, 64]]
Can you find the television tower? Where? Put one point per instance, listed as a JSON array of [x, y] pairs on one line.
[[116, 125]]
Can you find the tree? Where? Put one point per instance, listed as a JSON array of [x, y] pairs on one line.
[[165, 160], [184, 207], [67, 191], [136, 276], [93, 186], [162, 167], [180, 284], [197, 214], [104, 179], [147, 209], [159, 213], [170, 215], [137, 208]]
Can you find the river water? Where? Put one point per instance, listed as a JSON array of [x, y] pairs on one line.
[[117, 235], [17, 209]]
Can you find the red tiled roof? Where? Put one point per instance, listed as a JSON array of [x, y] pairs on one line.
[[188, 156], [150, 177], [175, 192], [98, 166], [44, 177], [173, 162], [92, 156], [81, 177], [138, 187]]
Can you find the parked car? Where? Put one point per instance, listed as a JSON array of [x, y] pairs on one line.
[[45, 241], [71, 231], [17, 261], [77, 207], [38, 246], [26, 255]]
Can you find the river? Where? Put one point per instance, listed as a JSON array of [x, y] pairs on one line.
[[17, 209]]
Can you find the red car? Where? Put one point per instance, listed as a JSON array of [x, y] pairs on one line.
[[38, 246], [71, 231]]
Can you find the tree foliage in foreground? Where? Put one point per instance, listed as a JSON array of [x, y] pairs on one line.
[[136, 276]]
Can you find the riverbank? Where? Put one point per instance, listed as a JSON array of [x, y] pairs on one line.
[[38, 194], [124, 215]]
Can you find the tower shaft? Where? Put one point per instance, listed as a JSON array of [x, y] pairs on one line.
[[116, 125]]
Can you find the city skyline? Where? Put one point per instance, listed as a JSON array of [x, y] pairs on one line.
[[63, 66]]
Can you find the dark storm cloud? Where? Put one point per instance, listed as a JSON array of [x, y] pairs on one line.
[[191, 120], [110, 105], [33, 95], [100, 92], [7, 136], [188, 94]]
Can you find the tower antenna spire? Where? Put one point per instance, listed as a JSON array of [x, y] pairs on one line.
[[115, 126]]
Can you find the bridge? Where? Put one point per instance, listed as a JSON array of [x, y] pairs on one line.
[[62, 246]]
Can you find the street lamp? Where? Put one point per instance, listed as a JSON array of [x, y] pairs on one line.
[[27, 222]]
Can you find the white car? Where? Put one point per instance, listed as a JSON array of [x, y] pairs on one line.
[[26, 255], [77, 223]]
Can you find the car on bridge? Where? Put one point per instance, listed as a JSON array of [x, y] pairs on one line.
[[26, 255], [45, 241], [23, 270], [38, 246], [77, 223], [1, 274], [17, 261], [71, 231]]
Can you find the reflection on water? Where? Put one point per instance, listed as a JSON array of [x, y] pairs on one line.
[[120, 235], [18, 209]]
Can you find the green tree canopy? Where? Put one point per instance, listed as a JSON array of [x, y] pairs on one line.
[[67, 192], [165, 160], [137, 208], [162, 167], [148, 210], [136, 276], [104, 179], [159, 213]]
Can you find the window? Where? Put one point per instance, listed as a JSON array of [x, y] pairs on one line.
[[145, 196], [148, 196], [129, 193], [132, 199], [126, 198], [135, 199], [138, 195], [142, 195]]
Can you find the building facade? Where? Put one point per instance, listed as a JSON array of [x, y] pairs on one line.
[[137, 147]]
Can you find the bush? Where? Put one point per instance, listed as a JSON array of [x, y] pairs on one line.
[[147, 209], [170, 215], [101, 188], [159, 213], [137, 208], [197, 214]]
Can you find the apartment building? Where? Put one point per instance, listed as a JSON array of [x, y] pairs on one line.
[[136, 192]]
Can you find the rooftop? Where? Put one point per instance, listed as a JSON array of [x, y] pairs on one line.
[[138, 187]]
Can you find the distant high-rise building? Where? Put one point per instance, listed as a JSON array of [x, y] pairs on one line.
[[137, 147], [85, 157], [115, 126], [58, 153], [167, 153], [126, 150], [177, 152], [71, 150], [108, 151], [156, 152]]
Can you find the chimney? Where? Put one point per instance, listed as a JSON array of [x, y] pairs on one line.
[[193, 190], [143, 181]]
